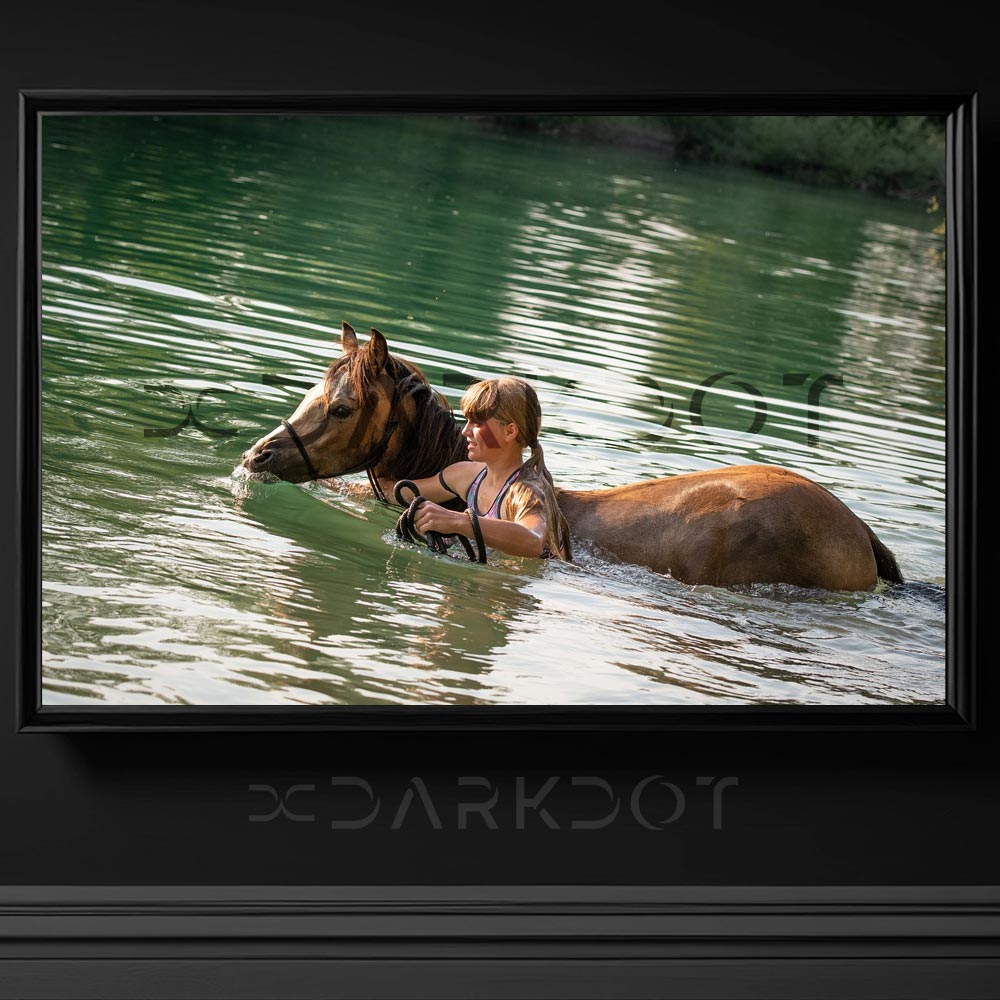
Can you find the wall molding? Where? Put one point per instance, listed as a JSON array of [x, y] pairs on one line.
[[491, 941]]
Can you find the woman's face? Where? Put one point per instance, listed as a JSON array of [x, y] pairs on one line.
[[483, 438]]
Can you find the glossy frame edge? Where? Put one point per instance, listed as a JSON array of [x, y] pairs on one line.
[[963, 373]]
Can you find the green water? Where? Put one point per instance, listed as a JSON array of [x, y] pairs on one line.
[[202, 267]]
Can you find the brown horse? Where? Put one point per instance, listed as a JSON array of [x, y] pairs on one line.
[[733, 526]]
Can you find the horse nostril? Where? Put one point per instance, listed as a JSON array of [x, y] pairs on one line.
[[257, 459]]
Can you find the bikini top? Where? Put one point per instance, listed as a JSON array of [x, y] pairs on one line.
[[473, 495], [494, 511]]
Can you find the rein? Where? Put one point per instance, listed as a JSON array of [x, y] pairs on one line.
[[369, 462], [435, 540]]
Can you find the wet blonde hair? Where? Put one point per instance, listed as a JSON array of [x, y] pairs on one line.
[[512, 401]]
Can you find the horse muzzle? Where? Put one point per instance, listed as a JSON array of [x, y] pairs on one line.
[[266, 458]]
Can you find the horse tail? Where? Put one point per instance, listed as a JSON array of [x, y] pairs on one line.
[[885, 561]]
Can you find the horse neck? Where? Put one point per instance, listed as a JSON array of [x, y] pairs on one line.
[[427, 440]]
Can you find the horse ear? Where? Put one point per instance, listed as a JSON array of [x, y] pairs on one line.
[[378, 351], [348, 339]]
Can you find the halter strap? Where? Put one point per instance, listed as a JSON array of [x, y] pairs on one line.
[[310, 468], [368, 463]]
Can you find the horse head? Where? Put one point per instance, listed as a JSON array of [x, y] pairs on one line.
[[342, 424]]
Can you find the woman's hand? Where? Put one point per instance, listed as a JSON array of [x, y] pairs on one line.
[[431, 517], [515, 538]]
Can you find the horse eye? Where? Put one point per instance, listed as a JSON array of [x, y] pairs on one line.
[[341, 411]]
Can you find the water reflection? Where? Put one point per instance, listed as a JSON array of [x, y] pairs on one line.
[[387, 621]]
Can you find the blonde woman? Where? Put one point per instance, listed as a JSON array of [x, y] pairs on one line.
[[513, 499]]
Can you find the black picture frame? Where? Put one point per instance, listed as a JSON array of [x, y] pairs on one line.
[[853, 861], [956, 713]]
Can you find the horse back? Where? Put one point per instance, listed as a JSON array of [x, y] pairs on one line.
[[730, 526]]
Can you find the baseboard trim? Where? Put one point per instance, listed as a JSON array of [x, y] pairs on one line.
[[490, 941]]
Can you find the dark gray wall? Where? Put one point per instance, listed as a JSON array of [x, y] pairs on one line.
[[809, 808]]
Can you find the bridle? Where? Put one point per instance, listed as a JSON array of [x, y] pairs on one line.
[[404, 526], [370, 460]]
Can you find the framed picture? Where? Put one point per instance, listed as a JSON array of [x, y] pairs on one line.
[[215, 779], [733, 340]]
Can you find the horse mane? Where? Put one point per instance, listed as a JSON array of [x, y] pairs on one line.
[[433, 440]]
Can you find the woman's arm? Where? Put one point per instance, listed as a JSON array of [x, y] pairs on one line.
[[458, 476], [524, 537]]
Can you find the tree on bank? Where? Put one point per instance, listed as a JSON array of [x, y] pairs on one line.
[[898, 155]]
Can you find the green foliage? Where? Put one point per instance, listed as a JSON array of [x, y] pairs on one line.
[[897, 155], [889, 154]]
